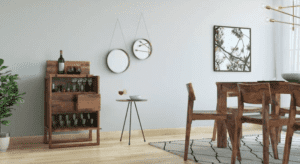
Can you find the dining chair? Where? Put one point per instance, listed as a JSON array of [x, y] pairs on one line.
[[257, 94], [193, 115], [293, 123], [234, 109]]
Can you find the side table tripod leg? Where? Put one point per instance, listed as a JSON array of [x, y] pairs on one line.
[[130, 122], [124, 121], [139, 121]]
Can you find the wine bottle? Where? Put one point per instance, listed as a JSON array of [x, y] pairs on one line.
[[61, 64]]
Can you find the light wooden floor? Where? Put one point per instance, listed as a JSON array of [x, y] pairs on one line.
[[25, 150]]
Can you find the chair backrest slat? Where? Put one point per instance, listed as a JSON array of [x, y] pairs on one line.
[[253, 93], [191, 91]]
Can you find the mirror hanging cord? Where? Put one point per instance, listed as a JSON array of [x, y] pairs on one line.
[[114, 34], [142, 16]]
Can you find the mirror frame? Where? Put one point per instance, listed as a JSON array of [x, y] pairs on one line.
[[125, 54], [151, 49]]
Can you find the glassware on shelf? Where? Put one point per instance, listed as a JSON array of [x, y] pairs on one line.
[[68, 122], [54, 123], [68, 87], [60, 117], [90, 82], [75, 122], [53, 87], [62, 124], [74, 116], [71, 70], [83, 122], [88, 118], [91, 122], [74, 80], [80, 84], [78, 70], [63, 88], [58, 88], [84, 80]]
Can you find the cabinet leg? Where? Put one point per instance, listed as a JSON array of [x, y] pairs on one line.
[[45, 136], [50, 138], [98, 136], [91, 135]]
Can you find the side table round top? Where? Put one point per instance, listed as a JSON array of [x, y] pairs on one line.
[[127, 100]]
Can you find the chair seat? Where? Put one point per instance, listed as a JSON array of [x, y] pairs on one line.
[[247, 109], [297, 125], [287, 110], [208, 112], [260, 116], [204, 112]]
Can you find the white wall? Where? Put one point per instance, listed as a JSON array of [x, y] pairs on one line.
[[181, 32], [281, 45]]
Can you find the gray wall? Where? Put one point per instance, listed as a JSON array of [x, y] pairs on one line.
[[181, 32]]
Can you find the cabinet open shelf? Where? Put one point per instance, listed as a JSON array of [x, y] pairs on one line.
[[64, 108], [68, 129], [70, 75], [71, 93]]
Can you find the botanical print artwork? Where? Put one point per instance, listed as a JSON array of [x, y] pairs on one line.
[[232, 49]]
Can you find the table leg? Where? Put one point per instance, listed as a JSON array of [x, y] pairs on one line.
[[130, 122], [139, 120], [124, 121], [275, 108], [221, 126]]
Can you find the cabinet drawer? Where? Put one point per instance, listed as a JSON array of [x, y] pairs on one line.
[[88, 102], [62, 106]]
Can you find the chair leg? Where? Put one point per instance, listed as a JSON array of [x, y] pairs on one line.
[[287, 146], [214, 132], [230, 124], [279, 134], [235, 144], [265, 143], [187, 138], [274, 141], [239, 142]]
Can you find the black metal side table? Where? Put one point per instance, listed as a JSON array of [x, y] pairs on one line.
[[130, 104]]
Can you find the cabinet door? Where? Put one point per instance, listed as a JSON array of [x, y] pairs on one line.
[[88, 102], [63, 103]]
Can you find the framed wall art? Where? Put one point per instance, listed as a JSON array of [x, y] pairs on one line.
[[232, 49]]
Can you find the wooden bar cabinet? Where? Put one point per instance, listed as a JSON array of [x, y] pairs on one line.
[[64, 107]]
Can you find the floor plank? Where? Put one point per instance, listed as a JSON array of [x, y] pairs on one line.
[[32, 150]]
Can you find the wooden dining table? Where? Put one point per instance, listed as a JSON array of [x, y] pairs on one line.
[[230, 89]]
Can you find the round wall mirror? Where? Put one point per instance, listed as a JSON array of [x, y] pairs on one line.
[[142, 49], [118, 60]]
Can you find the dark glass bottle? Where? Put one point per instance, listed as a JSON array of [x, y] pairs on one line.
[[61, 64]]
